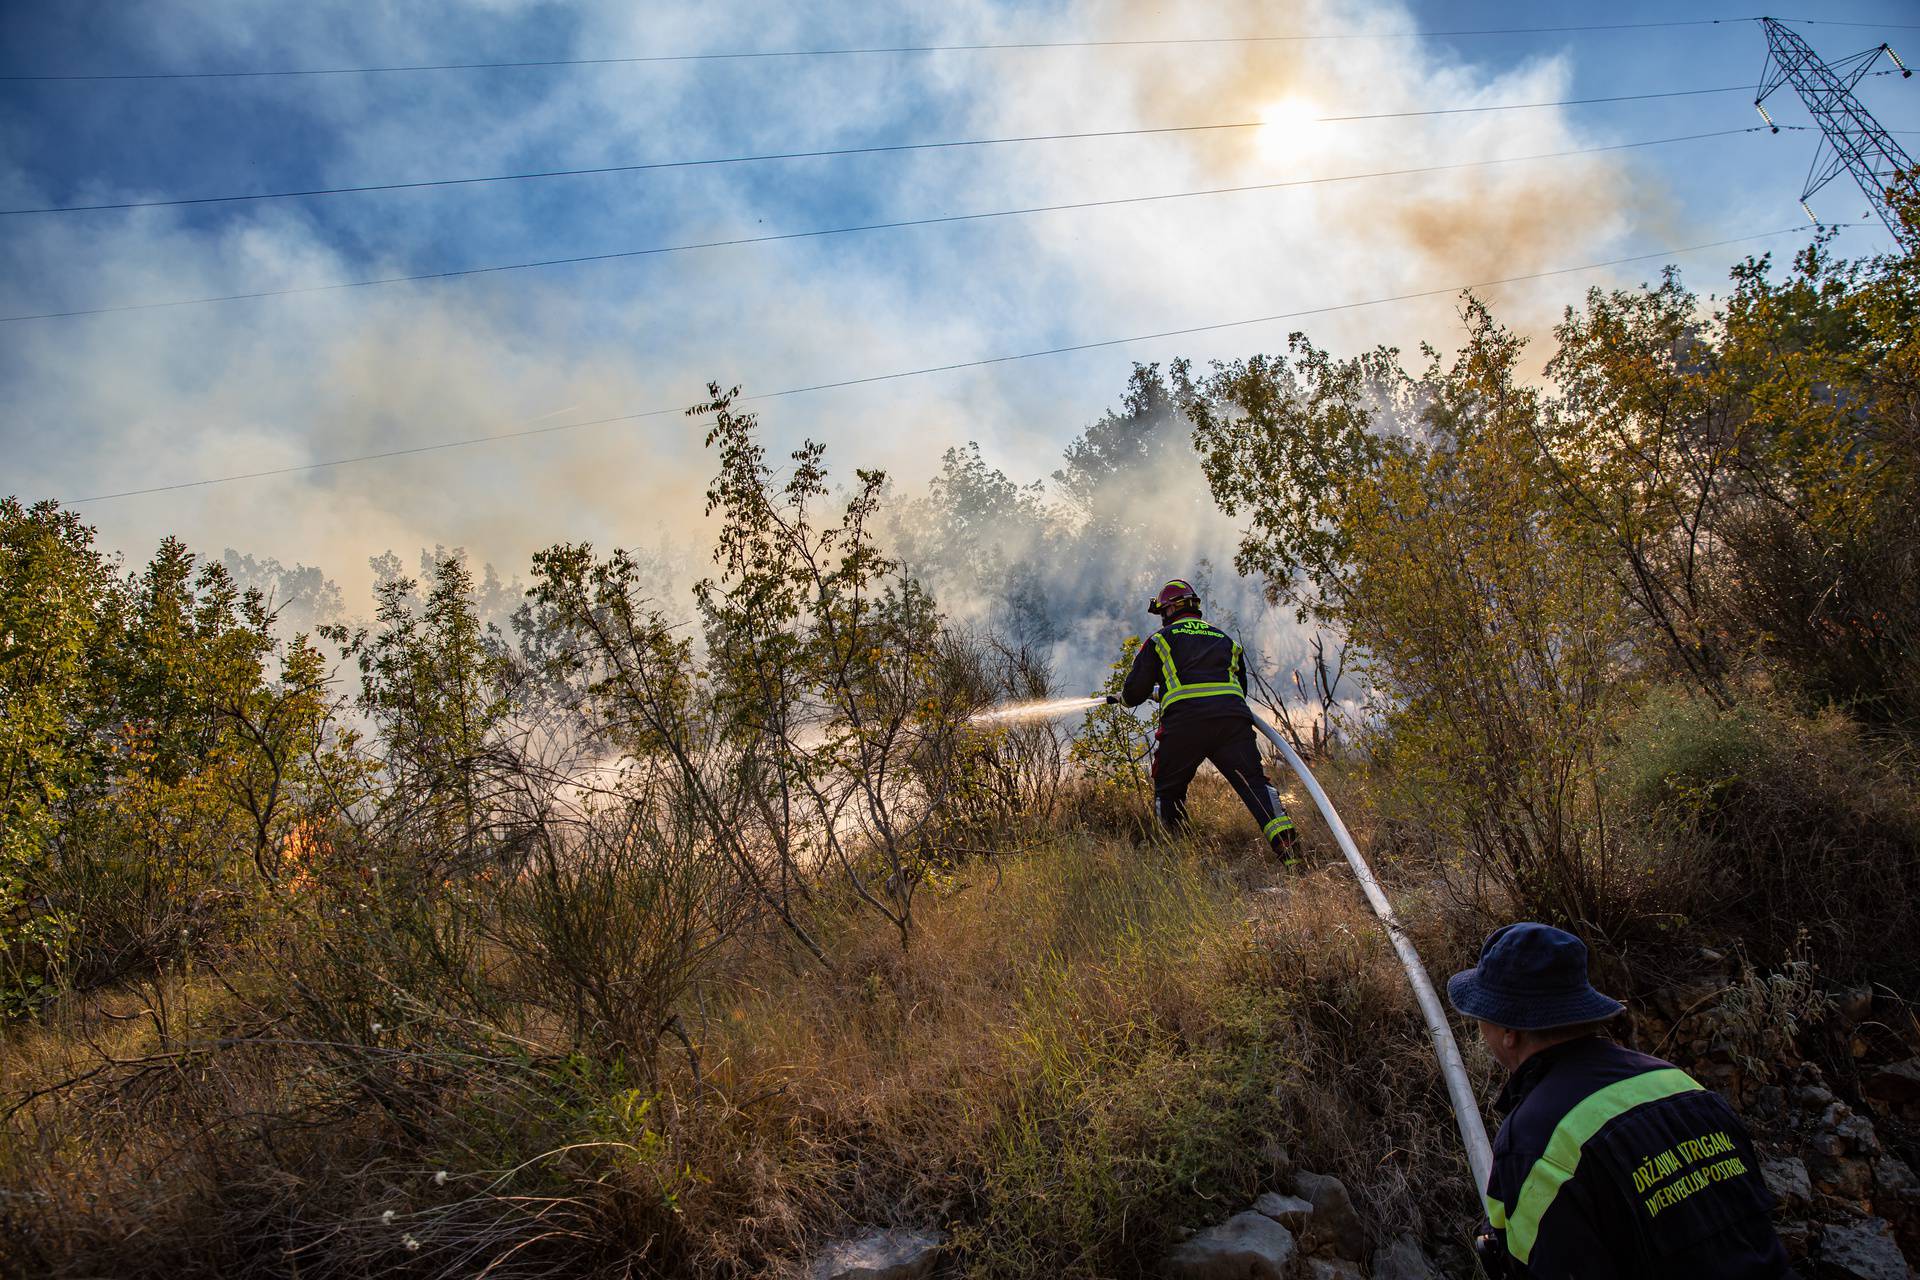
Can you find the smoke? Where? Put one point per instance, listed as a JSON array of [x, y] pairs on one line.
[[1258, 252], [153, 397], [1065, 565]]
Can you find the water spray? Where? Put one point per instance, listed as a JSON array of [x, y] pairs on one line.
[[1040, 709], [1466, 1107]]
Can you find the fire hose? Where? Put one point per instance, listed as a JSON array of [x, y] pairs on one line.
[[1466, 1108]]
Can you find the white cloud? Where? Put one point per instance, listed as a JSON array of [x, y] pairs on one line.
[[117, 402]]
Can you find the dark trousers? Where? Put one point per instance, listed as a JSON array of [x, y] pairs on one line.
[[1178, 749]]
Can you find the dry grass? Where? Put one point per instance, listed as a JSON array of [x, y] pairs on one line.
[[1087, 1048]]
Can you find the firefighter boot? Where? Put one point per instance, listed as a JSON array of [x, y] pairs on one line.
[[1286, 842]]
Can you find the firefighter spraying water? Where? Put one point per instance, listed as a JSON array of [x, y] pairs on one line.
[[1197, 673]]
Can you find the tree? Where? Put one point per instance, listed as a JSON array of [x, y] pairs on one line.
[[52, 583], [1639, 441], [1753, 477], [435, 685], [1413, 514], [823, 661]]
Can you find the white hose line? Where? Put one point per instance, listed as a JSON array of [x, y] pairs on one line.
[[1466, 1108]]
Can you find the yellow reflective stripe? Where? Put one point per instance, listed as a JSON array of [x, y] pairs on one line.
[[1279, 824], [1552, 1170], [1201, 691], [1169, 677], [1174, 691]]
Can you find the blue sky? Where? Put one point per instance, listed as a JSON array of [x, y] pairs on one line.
[[99, 404]]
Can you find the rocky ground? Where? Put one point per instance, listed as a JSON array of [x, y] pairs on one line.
[[1831, 1092], [1830, 1088]]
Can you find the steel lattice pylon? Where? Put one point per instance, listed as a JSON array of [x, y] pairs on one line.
[[1850, 138]]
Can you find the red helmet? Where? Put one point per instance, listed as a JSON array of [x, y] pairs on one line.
[[1176, 597]]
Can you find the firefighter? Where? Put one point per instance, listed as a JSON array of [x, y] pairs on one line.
[[1197, 673], [1608, 1162]]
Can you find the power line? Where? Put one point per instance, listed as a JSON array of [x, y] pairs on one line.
[[526, 433], [750, 55], [898, 224], [839, 151], [1829, 22]]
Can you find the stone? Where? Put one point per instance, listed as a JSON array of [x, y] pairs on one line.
[[1769, 1101], [1858, 1131], [880, 1255], [1830, 1145], [1863, 1250], [1403, 1259], [1894, 1176], [1278, 1159], [1813, 1096], [1247, 1246], [1334, 1227], [1796, 1236], [1290, 1212], [1840, 1176], [1856, 1004], [1899, 1082], [1787, 1178], [1334, 1269]]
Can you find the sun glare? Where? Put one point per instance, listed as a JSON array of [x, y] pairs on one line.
[[1289, 129]]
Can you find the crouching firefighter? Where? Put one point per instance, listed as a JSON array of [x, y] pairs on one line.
[[1609, 1163], [1197, 673]]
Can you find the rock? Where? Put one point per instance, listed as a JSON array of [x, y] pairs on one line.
[[1897, 1083], [1769, 1101], [1787, 1178], [1864, 1250], [1290, 1212], [1813, 1097], [1893, 1176], [1247, 1246], [1278, 1159], [1403, 1259], [880, 1255], [1856, 1004], [1840, 1176], [1857, 1130], [1334, 1227], [1334, 1269]]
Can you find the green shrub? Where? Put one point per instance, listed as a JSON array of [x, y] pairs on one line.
[[1778, 823], [1681, 753]]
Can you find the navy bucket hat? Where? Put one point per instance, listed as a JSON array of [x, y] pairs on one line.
[[1531, 977]]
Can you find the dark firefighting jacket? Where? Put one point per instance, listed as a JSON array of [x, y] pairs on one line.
[[1611, 1163], [1194, 669]]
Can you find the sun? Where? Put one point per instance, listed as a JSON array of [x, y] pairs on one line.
[[1290, 129]]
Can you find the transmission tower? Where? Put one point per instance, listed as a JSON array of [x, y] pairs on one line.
[[1850, 138]]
